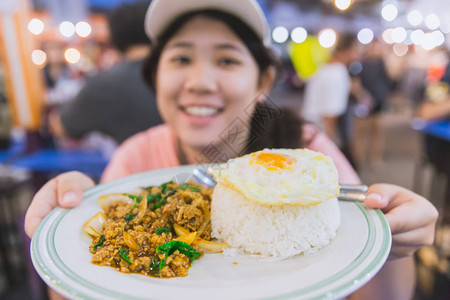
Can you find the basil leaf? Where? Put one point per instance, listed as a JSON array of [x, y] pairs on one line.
[[163, 201], [169, 247], [137, 199], [160, 203], [128, 217], [155, 263], [154, 198], [161, 230], [164, 187], [124, 254], [100, 243]]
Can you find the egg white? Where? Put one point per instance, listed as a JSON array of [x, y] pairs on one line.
[[312, 179]]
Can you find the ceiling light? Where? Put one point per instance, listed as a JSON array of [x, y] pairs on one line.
[[398, 34], [36, 26], [389, 12], [365, 36], [342, 4], [327, 38], [432, 21], [280, 34], [415, 17], [38, 57], [72, 55], [83, 29], [67, 29], [299, 35]]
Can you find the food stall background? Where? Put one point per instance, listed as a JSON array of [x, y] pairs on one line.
[[49, 48]]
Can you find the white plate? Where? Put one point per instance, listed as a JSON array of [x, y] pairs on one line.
[[60, 254]]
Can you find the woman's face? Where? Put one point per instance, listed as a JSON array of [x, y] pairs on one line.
[[206, 79]]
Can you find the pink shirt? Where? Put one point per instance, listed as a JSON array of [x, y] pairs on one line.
[[156, 149]]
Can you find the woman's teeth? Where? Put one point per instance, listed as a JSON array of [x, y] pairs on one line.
[[201, 111]]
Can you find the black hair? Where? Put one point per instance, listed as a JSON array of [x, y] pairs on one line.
[[263, 56], [274, 127], [126, 25], [270, 127]]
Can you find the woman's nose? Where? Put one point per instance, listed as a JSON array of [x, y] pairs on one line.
[[201, 79]]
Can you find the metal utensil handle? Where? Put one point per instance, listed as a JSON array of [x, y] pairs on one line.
[[351, 196], [204, 177], [362, 188]]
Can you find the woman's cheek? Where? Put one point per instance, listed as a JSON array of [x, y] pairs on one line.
[[242, 84]]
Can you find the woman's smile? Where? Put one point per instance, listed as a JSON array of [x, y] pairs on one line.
[[197, 115]]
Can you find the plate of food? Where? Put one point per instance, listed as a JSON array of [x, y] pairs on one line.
[[272, 228]]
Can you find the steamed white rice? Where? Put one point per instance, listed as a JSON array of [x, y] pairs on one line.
[[275, 232]]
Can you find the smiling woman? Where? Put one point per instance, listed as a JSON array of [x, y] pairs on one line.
[[211, 70], [208, 74], [206, 80]]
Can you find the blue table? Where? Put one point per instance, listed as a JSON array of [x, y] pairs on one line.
[[440, 129], [90, 162], [14, 151]]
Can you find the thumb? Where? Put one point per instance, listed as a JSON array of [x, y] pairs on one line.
[[65, 190], [70, 187], [379, 195]]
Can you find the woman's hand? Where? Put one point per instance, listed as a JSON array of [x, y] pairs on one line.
[[411, 217], [65, 190]]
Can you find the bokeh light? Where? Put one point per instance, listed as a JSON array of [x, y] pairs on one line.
[[280, 34], [36, 26], [38, 57], [432, 21], [427, 42], [299, 35], [355, 68], [445, 28], [83, 29], [327, 37], [398, 35], [365, 36], [400, 49], [389, 12], [438, 38], [387, 36], [72, 55], [67, 29], [415, 17], [417, 36], [342, 4]]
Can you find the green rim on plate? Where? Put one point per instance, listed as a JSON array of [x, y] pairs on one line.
[[65, 286]]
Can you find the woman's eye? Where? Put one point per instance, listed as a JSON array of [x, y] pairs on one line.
[[228, 61], [181, 59]]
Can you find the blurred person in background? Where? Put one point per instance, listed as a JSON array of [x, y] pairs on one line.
[[5, 116], [435, 109], [369, 137], [118, 93], [209, 67], [413, 80], [327, 92], [62, 80]]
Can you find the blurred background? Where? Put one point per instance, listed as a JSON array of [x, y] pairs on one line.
[[55, 54]]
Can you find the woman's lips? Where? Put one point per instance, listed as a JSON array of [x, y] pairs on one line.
[[200, 115]]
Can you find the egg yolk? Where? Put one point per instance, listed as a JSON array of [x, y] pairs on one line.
[[272, 161]]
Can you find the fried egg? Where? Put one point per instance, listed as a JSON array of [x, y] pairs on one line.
[[281, 177]]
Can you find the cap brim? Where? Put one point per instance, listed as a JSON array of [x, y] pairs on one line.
[[161, 13]]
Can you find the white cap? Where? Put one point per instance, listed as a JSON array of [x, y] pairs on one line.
[[161, 13]]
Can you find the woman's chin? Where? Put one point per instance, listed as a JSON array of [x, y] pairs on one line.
[[205, 146]]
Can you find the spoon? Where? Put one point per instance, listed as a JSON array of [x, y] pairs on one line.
[[348, 192]]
